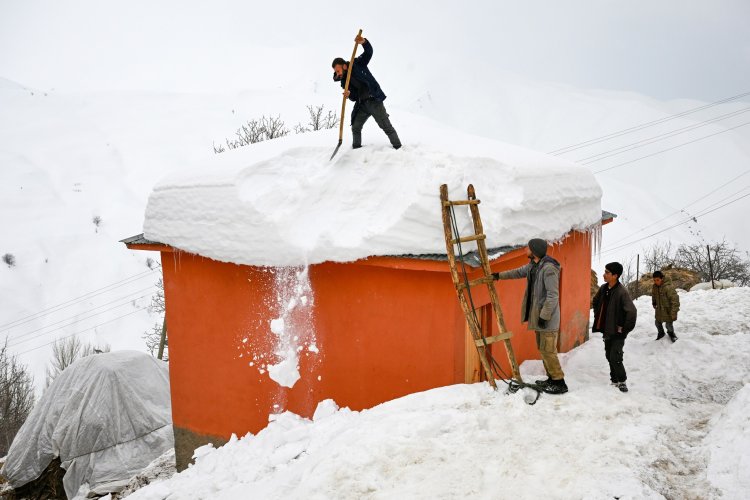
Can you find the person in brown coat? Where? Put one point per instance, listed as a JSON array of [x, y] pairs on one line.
[[666, 304]]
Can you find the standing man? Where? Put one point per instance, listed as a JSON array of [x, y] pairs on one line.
[[366, 94], [666, 304], [614, 317], [541, 309]]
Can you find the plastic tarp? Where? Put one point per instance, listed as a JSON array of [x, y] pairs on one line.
[[107, 416]]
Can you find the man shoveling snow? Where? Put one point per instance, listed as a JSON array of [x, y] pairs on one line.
[[366, 93]]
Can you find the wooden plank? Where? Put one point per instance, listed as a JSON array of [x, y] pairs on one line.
[[466, 239], [447, 203], [484, 280], [493, 339]]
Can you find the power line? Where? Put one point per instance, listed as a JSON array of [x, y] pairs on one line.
[[70, 302], [82, 331], [675, 225], [17, 340], [635, 128], [661, 137], [670, 149], [686, 206]]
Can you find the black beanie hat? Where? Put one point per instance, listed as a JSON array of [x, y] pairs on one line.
[[538, 247], [658, 274], [614, 268]]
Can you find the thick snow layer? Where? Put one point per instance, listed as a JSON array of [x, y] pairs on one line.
[[465, 440], [283, 203]]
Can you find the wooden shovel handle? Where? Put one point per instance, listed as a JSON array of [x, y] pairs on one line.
[[346, 88]]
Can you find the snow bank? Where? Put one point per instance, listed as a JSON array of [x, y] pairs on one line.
[[283, 203], [728, 443], [593, 442], [717, 284]]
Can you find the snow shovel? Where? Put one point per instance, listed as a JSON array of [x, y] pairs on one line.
[[343, 102]]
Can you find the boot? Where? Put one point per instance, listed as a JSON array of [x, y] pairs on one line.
[[659, 335], [556, 387], [543, 383], [622, 386], [672, 337]]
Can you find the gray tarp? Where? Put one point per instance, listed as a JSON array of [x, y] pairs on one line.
[[107, 416]]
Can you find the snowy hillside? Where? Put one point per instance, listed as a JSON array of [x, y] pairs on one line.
[[67, 159], [682, 431]]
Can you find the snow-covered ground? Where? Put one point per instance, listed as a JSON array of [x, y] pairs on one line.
[[682, 431]]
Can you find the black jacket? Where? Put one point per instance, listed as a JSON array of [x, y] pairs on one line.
[[619, 311], [361, 72]]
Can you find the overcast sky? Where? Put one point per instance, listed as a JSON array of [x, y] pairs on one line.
[[665, 49]]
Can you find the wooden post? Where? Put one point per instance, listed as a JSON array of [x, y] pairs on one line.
[[637, 274], [710, 266], [163, 339]]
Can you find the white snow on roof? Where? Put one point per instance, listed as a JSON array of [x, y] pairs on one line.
[[282, 202]]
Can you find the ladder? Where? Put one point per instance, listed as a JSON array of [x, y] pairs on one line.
[[464, 285]]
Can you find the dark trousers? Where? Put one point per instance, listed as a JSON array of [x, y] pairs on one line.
[[660, 328], [376, 109], [613, 346]]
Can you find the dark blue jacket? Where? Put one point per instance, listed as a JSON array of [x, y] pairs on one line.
[[361, 72]]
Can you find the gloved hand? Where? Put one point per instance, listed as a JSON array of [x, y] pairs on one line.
[[542, 323], [495, 276]]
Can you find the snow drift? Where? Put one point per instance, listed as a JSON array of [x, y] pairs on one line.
[[283, 203], [107, 416]]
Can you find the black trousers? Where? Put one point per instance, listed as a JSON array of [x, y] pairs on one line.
[[613, 345], [376, 109]]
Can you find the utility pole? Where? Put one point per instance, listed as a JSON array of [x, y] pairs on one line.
[[637, 274], [710, 266]]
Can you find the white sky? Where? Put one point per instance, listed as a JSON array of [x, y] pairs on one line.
[[665, 49]]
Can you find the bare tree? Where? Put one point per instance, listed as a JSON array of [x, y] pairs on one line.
[[727, 262], [659, 256], [97, 222], [153, 336], [16, 397], [66, 351], [9, 259]]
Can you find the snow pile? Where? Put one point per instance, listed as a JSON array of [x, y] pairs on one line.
[[283, 203], [717, 284], [728, 444], [593, 442]]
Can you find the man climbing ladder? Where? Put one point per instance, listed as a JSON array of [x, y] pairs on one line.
[[366, 93]]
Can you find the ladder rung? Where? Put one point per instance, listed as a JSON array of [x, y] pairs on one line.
[[485, 280], [469, 238], [460, 202], [493, 339]]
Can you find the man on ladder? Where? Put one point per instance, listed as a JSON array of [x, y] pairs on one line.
[[541, 309]]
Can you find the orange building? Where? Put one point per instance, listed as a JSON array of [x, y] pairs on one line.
[[385, 327]]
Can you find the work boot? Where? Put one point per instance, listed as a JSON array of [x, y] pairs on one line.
[[659, 335], [543, 383], [556, 387], [672, 337], [622, 386]]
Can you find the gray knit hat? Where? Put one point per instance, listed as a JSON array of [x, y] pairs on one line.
[[538, 247]]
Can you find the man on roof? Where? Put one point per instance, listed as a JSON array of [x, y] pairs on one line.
[[366, 93]]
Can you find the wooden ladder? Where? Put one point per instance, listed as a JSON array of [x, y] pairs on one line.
[[464, 285]]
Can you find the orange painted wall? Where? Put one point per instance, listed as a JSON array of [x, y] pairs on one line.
[[385, 328]]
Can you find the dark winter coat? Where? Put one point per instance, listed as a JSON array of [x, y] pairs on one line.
[[544, 293], [361, 72], [613, 311], [666, 302]]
